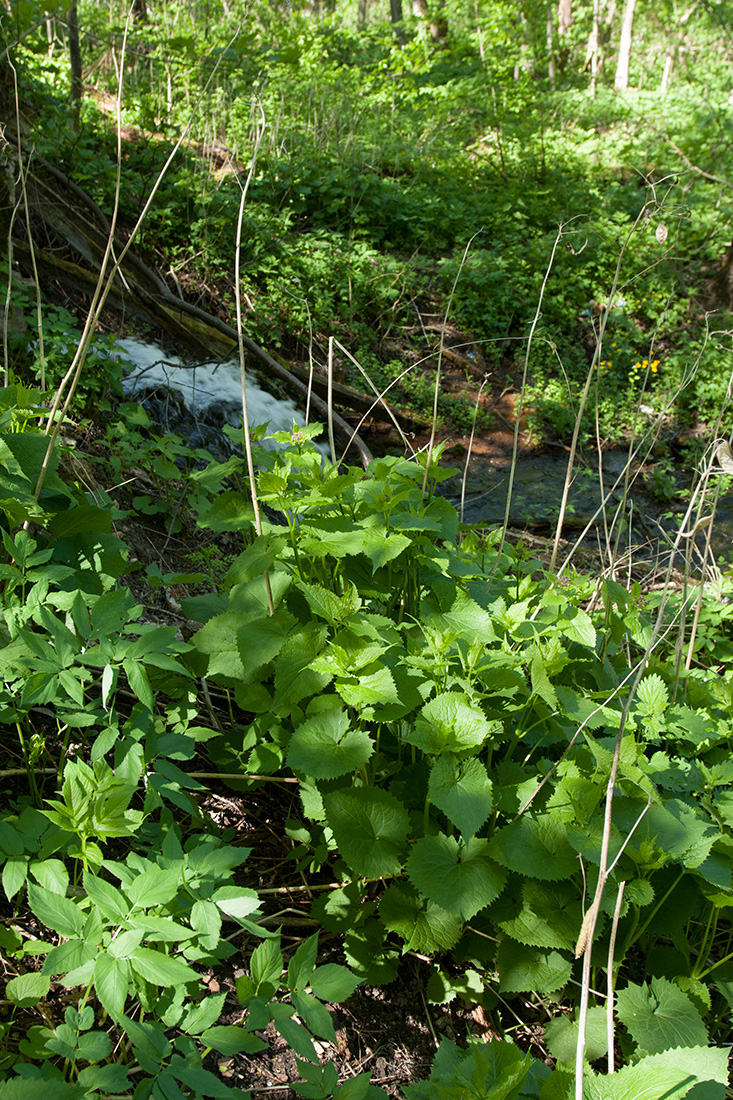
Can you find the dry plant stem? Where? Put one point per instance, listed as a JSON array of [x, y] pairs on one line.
[[240, 343], [645, 440], [436, 390], [329, 401], [586, 390], [609, 997], [379, 399], [8, 293], [585, 944], [24, 193], [104, 284], [520, 404], [71, 378], [470, 445]]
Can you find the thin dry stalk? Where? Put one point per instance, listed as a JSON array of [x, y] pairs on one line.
[[470, 444], [609, 995], [380, 399], [520, 404], [585, 943], [262, 126], [329, 400], [586, 389], [436, 390], [106, 279]]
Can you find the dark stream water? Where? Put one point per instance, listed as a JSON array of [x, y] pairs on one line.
[[197, 401]]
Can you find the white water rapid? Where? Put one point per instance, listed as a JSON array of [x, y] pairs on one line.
[[207, 386]]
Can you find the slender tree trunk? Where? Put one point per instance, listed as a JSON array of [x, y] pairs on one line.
[[361, 14], [550, 44], [395, 11], [594, 50], [77, 84], [621, 82], [564, 16]]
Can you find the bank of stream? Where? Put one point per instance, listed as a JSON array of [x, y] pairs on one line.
[[640, 520]]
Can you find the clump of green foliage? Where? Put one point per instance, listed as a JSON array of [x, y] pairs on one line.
[[450, 712]]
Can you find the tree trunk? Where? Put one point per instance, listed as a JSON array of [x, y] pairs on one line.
[[564, 15], [550, 45], [361, 14], [395, 11], [594, 49], [77, 83], [621, 82]]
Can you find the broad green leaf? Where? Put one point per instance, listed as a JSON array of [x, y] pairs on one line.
[[325, 747], [38, 1088], [302, 964], [267, 963], [138, 680], [56, 911], [463, 791], [536, 847], [528, 969], [450, 722], [11, 841], [198, 1079], [230, 510], [459, 877], [314, 1015], [327, 605], [205, 919], [109, 900], [111, 981], [561, 1036], [199, 1017], [156, 886], [238, 644], [15, 872], [380, 547], [652, 696], [700, 1071], [370, 828], [28, 989], [368, 688], [229, 1040], [294, 679], [68, 956], [538, 675], [148, 1037], [660, 1016], [576, 624], [160, 969], [551, 916], [424, 926], [237, 902], [333, 983], [293, 1033]]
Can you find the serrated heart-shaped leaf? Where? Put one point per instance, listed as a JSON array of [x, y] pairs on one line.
[[423, 925], [450, 722], [463, 791], [460, 878], [660, 1016], [325, 747], [370, 829], [535, 847]]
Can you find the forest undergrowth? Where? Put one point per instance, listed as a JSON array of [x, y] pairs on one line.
[[293, 757]]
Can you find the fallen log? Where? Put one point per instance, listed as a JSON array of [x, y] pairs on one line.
[[136, 290]]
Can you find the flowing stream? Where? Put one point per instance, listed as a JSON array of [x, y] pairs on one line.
[[198, 400]]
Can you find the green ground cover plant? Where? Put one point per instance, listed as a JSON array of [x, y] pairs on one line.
[[518, 775], [451, 713]]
